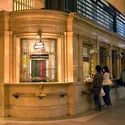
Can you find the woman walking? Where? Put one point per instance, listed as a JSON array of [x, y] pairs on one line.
[[96, 87], [106, 87]]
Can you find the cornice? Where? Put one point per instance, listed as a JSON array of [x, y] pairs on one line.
[[32, 20]]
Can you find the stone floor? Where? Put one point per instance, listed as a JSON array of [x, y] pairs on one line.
[[114, 116]]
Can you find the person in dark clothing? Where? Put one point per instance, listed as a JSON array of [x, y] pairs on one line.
[[96, 87]]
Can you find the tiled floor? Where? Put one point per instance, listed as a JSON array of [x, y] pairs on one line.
[[114, 116]]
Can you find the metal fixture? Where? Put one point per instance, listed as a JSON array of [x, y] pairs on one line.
[[40, 95], [40, 44]]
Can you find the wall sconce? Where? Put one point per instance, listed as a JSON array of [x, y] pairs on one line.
[[40, 44], [92, 51]]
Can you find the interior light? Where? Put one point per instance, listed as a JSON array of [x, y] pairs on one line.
[[40, 44]]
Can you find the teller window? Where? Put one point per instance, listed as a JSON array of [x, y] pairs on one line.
[[38, 64]]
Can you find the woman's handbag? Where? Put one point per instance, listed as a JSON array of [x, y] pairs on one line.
[[102, 93]]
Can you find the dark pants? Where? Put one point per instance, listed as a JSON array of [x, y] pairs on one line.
[[96, 97], [97, 101], [106, 98]]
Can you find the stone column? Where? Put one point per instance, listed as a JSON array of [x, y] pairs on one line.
[[4, 63], [14, 58], [118, 64], [17, 61], [75, 100], [66, 57], [72, 61], [94, 58], [110, 59], [98, 52], [61, 59], [81, 59], [108, 55]]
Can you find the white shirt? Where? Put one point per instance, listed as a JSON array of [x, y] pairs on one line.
[[106, 79]]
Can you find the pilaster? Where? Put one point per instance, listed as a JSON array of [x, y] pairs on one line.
[[98, 54], [70, 65], [110, 58], [4, 63]]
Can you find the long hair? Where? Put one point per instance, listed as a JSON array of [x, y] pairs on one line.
[[106, 69]]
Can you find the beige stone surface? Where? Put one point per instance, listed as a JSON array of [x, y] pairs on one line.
[[71, 33]]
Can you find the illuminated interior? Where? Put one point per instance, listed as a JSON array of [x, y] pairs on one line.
[[86, 62]]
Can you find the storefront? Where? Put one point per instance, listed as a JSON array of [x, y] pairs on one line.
[[52, 56]]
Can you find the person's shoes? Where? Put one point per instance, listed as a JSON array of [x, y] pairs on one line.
[[109, 106], [98, 109], [105, 106]]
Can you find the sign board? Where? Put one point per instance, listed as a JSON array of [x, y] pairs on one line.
[[43, 56], [86, 59]]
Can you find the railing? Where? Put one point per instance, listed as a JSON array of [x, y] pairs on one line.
[[100, 11], [39, 95], [103, 13]]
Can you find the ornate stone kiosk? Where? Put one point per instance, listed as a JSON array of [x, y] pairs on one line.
[[47, 83]]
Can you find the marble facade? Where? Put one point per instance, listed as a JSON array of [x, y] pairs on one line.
[[70, 31]]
